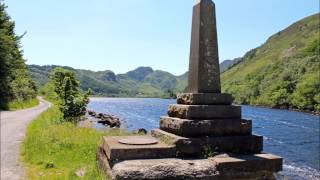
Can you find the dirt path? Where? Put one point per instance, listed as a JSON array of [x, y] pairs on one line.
[[13, 128]]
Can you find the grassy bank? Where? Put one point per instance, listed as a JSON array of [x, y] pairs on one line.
[[16, 105], [54, 149]]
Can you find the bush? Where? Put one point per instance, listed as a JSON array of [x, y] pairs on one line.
[[72, 102]]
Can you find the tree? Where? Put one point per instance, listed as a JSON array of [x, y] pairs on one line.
[[71, 101], [306, 95], [15, 82]]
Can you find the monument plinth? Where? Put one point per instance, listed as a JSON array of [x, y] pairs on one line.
[[203, 123]]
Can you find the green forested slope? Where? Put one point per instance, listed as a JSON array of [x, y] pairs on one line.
[[283, 72], [141, 82], [16, 86]]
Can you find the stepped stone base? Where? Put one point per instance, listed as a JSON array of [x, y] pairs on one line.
[[255, 162], [117, 151], [204, 111], [193, 146], [204, 98], [216, 127], [250, 167], [203, 123]]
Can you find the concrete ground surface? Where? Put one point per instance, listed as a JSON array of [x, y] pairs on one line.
[[13, 129]]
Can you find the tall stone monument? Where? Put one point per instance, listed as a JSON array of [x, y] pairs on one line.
[[203, 136]]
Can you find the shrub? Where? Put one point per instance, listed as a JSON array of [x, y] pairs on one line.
[[72, 102]]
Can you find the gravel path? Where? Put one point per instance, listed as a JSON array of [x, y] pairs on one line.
[[13, 128]]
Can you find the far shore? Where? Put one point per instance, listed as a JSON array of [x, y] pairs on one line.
[[287, 109]]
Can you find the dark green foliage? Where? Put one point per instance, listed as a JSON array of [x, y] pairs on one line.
[[307, 93], [283, 73], [15, 83], [72, 102]]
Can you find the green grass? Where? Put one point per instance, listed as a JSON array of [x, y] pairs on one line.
[[16, 105], [54, 149]]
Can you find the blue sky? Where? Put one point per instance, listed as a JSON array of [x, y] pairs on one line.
[[121, 35]]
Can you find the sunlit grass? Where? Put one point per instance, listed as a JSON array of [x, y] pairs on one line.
[[54, 149], [16, 105]]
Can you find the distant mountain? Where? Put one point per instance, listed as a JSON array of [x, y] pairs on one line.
[[284, 72], [140, 73], [141, 82], [226, 64]]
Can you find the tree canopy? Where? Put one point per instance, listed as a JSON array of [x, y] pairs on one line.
[[72, 102], [15, 82]]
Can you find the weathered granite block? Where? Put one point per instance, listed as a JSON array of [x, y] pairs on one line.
[[215, 127], [184, 146], [215, 168], [204, 111], [194, 146], [252, 163], [204, 98], [117, 151], [103, 162], [248, 144], [164, 169]]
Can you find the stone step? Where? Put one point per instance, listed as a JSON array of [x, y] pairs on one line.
[[115, 150], [216, 168], [255, 162], [215, 127], [204, 98], [195, 146], [204, 111]]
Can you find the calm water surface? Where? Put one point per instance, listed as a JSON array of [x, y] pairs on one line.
[[292, 135]]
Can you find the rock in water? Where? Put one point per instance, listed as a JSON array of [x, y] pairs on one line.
[[142, 131]]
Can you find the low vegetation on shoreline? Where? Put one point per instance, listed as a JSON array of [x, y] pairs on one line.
[[55, 147], [16, 105]]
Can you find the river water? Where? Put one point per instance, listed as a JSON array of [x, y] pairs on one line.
[[292, 135]]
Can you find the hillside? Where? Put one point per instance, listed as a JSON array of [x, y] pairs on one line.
[[281, 73], [141, 82], [226, 64]]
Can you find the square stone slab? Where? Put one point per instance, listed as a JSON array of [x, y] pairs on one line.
[[215, 127], [204, 111], [116, 149], [204, 99], [255, 162]]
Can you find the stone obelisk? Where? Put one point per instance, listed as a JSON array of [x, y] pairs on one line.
[[203, 120], [204, 73]]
